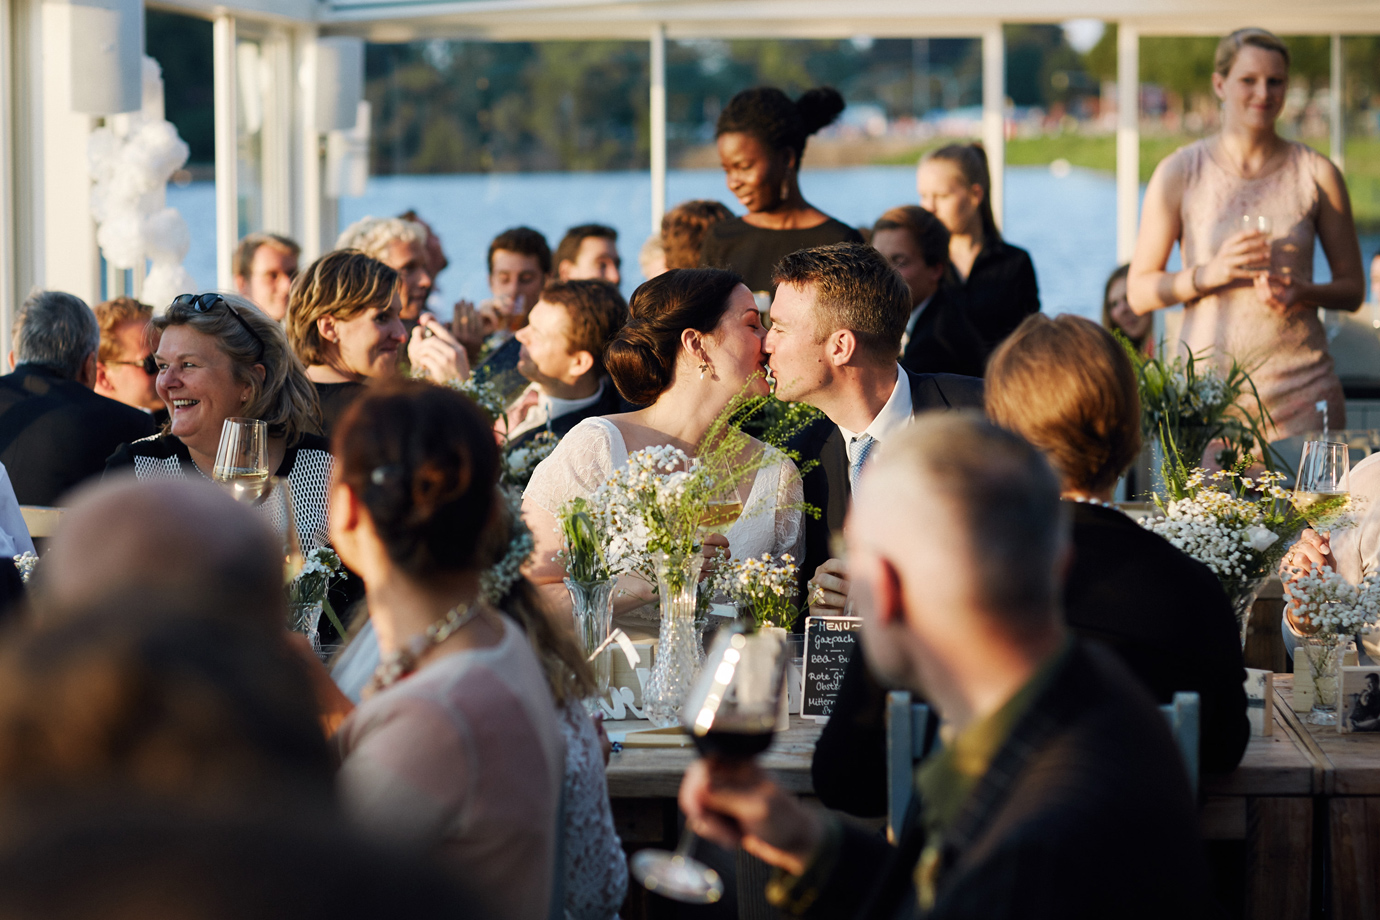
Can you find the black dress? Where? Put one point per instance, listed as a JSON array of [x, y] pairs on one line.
[[753, 251], [1163, 613], [335, 399], [1000, 290]]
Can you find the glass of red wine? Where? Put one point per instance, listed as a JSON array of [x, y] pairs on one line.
[[731, 715]]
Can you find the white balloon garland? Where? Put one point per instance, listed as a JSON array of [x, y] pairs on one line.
[[131, 161]]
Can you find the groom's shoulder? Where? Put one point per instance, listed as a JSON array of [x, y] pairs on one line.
[[809, 440], [945, 391]]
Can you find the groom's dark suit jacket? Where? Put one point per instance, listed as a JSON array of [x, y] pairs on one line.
[[826, 486]]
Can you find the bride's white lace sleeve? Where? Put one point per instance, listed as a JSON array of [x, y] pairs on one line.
[[790, 516], [581, 463]]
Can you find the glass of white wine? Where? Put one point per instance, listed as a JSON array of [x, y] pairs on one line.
[[242, 458], [1324, 476], [721, 514]]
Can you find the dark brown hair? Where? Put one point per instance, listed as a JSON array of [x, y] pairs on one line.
[[522, 240], [568, 249], [1066, 386], [596, 310], [423, 461], [641, 359], [855, 289], [928, 232], [683, 229], [971, 160], [780, 124], [343, 284], [1120, 273]]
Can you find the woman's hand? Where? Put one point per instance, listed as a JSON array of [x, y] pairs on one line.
[[1279, 292], [434, 349], [471, 325], [831, 578], [1313, 551], [1240, 256], [713, 543], [332, 705]]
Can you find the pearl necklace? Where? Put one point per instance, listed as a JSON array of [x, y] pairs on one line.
[[402, 662], [1085, 500]]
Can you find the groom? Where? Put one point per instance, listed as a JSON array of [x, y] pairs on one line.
[[836, 326]]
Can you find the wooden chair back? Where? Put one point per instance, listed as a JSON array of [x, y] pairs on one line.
[[908, 740], [41, 520], [1184, 716]]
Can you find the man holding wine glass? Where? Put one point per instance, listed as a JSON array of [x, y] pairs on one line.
[[1058, 790]]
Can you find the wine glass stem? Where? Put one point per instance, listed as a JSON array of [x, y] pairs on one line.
[[687, 842]]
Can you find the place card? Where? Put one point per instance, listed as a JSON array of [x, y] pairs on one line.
[[1358, 702], [1260, 707]]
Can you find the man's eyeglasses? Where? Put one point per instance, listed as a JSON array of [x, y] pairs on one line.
[[205, 303], [149, 365]]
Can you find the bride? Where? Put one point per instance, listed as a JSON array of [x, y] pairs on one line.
[[693, 342]]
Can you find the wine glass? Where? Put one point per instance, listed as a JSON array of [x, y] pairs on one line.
[[1324, 475], [1260, 223], [731, 715], [241, 457], [273, 499]]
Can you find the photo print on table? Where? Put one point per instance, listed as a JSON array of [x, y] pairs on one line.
[[1359, 705]]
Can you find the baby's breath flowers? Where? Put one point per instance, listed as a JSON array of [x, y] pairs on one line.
[[1330, 604], [26, 563], [765, 587]]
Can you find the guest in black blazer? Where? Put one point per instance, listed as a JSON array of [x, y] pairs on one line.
[[836, 327], [55, 431], [939, 339], [563, 355], [1059, 791], [1066, 386]]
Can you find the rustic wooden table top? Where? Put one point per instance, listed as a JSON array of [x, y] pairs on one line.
[[654, 773], [1349, 763]]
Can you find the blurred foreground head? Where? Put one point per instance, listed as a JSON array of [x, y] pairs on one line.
[[185, 543], [956, 541], [135, 862]]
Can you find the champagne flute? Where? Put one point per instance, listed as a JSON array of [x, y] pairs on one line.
[[731, 715], [1324, 475], [241, 457], [1260, 223]]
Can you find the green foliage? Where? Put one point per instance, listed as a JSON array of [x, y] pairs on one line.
[[584, 545]]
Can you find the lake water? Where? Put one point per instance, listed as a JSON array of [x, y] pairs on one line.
[[1067, 223]]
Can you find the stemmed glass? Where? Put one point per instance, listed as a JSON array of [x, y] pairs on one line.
[[1324, 474], [241, 457], [731, 715]]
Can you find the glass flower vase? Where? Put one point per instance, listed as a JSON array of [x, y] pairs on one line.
[[591, 606], [1324, 656], [305, 617], [677, 650], [1243, 601]]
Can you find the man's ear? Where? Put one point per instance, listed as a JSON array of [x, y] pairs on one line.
[[87, 376], [887, 597], [102, 379], [581, 363], [242, 285], [563, 270], [841, 346]]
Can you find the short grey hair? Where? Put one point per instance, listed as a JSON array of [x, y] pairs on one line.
[[372, 235], [57, 330]]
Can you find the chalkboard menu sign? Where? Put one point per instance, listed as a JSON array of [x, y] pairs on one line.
[[829, 643]]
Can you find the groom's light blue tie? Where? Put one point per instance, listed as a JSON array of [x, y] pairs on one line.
[[859, 447]]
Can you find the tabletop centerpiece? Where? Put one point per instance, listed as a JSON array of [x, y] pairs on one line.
[[1329, 610], [590, 580], [307, 595]]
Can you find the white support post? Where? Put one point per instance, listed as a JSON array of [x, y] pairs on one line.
[[309, 214], [994, 115], [658, 118], [276, 149], [227, 149], [9, 212], [1336, 104], [1127, 140]]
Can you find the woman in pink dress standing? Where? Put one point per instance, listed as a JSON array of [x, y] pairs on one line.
[[1247, 283]]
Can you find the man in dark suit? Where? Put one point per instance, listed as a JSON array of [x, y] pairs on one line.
[[563, 355], [55, 431], [1058, 792], [836, 327]]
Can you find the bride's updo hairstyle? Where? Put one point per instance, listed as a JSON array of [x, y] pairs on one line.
[[641, 359], [423, 461]]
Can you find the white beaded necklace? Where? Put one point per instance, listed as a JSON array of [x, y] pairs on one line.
[[1085, 500], [402, 662]]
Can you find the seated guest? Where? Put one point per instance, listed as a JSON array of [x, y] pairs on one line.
[[1117, 314], [957, 539], [223, 563], [56, 432], [265, 264], [519, 264], [459, 750], [124, 362], [938, 339], [220, 357], [683, 229], [401, 245], [589, 252], [343, 324], [563, 355]]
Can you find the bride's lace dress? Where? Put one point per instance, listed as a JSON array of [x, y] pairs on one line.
[[771, 521]]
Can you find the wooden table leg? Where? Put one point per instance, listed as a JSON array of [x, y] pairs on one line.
[[1354, 832], [1279, 858]]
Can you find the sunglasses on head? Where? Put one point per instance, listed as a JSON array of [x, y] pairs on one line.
[[205, 303]]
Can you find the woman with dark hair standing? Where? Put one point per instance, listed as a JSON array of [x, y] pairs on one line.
[[761, 140], [996, 278], [694, 341]]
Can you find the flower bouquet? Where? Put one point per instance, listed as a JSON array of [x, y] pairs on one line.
[[26, 563], [590, 581], [1329, 610], [307, 594], [762, 589], [1238, 526]]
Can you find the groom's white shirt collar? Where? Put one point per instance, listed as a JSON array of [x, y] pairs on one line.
[[894, 415]]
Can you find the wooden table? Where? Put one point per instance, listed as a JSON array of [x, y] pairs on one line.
[[1347, 770]]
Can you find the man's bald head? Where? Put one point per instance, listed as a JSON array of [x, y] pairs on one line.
[[172, 540]]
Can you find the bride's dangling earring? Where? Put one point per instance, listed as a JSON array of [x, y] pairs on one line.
[[703, 369]]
